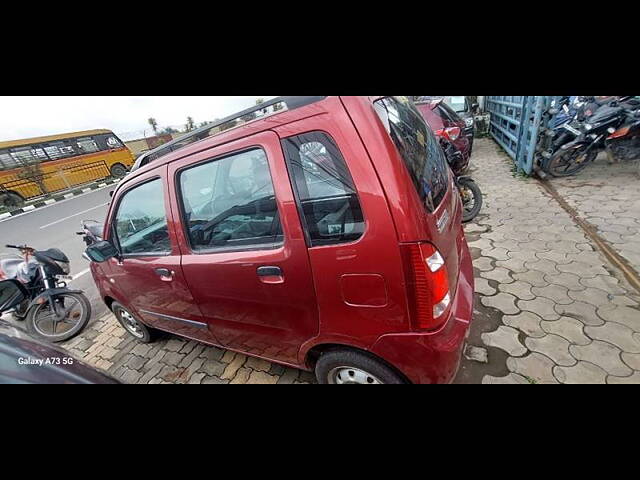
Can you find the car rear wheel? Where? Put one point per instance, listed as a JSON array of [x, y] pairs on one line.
[[11, 200], [347, 367], [118, 170], [132, 325]]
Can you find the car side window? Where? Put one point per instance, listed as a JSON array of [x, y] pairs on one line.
[[324, 189], [141, 221], [230, 203]]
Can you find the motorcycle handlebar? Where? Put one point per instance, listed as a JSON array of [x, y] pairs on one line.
[[20, 247]]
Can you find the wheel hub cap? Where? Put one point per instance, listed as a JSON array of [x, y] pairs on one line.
[[352, 376]]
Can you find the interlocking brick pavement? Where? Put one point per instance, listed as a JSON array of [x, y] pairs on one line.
[[557, 310], [107, 346]]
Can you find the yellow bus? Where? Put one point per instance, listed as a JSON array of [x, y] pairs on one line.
[[38, 166]]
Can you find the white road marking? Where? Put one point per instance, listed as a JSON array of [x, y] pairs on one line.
[[28, 208], [71, 216], [78, 275], [5, 217]]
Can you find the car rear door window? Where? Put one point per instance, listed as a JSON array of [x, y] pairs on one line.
[[230, 203], [324, 189], [417, 146], [141, 221]]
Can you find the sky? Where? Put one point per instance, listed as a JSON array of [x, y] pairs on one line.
[[25, 117]]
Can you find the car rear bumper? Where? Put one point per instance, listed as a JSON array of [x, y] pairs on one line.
[[434, 357]]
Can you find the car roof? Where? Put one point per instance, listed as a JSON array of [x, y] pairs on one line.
[[295, 109], [208, 130]]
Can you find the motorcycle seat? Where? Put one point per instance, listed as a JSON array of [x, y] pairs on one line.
[[10, 266], [53, 254], [605, 113]]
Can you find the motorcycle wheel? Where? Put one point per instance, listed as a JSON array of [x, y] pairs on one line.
[[42, 324], [565, 163], [471, 199]]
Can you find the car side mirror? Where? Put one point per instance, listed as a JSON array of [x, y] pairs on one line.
[[12, 294], [101, 251]]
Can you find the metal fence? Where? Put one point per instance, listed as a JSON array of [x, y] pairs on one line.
[[516, 123], [64, 178]]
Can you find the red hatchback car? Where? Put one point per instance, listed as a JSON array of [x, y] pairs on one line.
[[444, 121], [323, 235]]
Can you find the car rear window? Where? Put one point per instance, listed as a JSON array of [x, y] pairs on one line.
[[447, 112], [417, 146]]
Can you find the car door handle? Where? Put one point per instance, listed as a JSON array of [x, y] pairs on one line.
[[270, 274], [164, 274]]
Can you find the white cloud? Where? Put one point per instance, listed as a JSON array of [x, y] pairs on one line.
[[24, 117]]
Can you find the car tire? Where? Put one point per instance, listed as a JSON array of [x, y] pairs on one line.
[[11, 200], [118, 170], [132, 325], [351, 367]]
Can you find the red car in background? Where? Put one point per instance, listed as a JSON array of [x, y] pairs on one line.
[[444, 121]]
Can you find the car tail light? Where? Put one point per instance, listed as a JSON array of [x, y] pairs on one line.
[[428, 285], [451, 133]]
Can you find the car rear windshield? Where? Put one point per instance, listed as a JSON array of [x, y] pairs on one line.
[[447, 112], [418, 148], [458, 104]]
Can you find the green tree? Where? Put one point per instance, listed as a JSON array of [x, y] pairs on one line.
[[228, 125], [190, 124], [154, 124]]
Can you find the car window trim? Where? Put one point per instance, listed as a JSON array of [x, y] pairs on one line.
[[303, 218], [114, 232], [182, 213]]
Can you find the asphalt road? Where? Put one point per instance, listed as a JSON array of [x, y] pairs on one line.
[[55, 226]]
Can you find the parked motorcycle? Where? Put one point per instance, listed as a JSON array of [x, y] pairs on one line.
[[612, 128], [469, 190], [567, 115], [91, 232], [35, 284]]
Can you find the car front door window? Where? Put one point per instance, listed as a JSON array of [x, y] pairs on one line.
[[141, 222], [230, 203]]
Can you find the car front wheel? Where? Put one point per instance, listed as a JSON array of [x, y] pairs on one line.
[[132, 325]]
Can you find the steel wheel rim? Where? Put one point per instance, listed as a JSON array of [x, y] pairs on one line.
[[71, 319], [352, 376], [130, 324]]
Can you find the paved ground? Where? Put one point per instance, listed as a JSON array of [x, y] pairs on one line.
[[172, 359], [608, 197], [549, 308]]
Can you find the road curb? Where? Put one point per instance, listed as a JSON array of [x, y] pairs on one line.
[[60, 197]]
